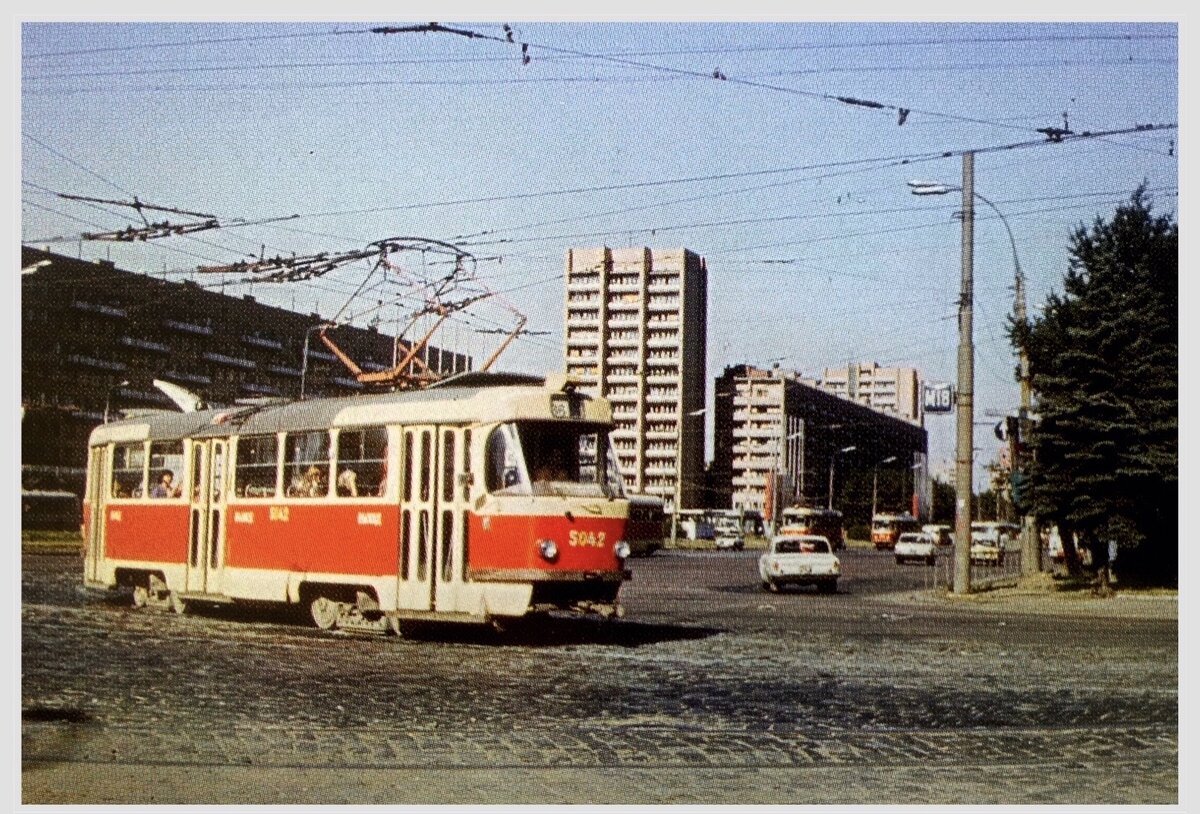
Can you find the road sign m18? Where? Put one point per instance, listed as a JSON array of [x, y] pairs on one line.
[[938, 398]]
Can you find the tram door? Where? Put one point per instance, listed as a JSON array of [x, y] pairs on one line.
[[418, 518], [99, 476], [454, 488], [206, 529]]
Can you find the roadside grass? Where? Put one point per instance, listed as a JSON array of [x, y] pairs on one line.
[[37, 541]]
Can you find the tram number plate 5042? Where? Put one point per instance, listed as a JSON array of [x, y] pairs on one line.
[[586, 539]]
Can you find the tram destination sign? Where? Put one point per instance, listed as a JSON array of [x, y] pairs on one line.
[[938, 398]]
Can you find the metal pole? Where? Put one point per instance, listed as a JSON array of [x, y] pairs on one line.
[[832, 458], [965, 440], [304, 362], [875, 491], [678, 465], [803, 441]]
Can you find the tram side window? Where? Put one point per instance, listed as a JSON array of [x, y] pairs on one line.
[[362, 462], [503, 470], [256, 462], [166, 469], [306, 468], [129, 470]]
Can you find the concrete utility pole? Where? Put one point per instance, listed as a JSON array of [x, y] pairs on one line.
[[1031, 544], [965, 442]]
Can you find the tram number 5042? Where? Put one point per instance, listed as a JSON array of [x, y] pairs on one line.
[[586, 539]]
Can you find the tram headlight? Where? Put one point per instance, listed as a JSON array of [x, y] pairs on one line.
[[621, 549], [548, 549]]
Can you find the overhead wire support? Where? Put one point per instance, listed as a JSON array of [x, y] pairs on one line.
[[152, 231]]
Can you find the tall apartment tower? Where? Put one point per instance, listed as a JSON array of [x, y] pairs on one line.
[[758, 446], [895, 390], [636, 330]]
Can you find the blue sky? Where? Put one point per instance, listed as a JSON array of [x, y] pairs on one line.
[[614, 134]]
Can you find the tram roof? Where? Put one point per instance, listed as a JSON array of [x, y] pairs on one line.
[[470, 396]]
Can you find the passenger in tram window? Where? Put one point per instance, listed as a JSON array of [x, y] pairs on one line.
[[347, 483], [310, 484], [118, 489], [166, 487]]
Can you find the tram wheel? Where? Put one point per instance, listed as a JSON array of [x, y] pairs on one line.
[[324, 612], [141, 596], [177, 604]]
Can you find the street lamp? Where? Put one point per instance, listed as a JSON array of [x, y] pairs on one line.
[[775, 479], [875, 485], [304, 361], [936, 188], [679, 473], [109, 394], [833, 458]]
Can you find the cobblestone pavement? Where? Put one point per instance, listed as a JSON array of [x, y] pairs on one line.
[[710, 691]]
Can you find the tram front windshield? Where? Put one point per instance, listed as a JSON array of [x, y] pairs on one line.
[[552, 458]]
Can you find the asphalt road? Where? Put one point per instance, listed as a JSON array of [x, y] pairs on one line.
[[709, 691]]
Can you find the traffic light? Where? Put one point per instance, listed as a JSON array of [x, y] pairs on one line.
[[1018, 482]]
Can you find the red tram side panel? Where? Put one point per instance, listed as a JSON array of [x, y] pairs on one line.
[[364, 509]]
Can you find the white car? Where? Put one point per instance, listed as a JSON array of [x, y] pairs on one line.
[[915, 546], [1000, 535], [799, 560], [941, 533], [729, 541]]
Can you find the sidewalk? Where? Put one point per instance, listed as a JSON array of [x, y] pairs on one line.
[[1047, 599]]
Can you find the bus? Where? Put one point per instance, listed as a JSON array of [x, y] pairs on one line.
[[647, 525], [887, 528], [482, 498], [804, 520]]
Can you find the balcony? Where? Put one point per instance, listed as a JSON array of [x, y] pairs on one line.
[[98, 364], [261, 389], [282, 370], [188, 327], [348, 383], [144, 344], [313, 353], [190, 378], [130, 394], [99, 308], [262, 342], [229, 361]]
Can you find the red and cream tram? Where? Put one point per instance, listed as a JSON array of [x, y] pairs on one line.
[[484, 497]]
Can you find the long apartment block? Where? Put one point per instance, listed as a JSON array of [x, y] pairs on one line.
[[636, 330], [894, 390]]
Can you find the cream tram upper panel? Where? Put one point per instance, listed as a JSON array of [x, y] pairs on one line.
[[466, 405]]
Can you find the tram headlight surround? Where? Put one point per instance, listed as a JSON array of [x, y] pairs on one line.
[[548, 549], [621, 549]]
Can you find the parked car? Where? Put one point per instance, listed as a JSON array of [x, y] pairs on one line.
[[915, 546], [987, 552], [728, 535], [799, 560], [729, 541], [1002, 535], [941, 534]]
